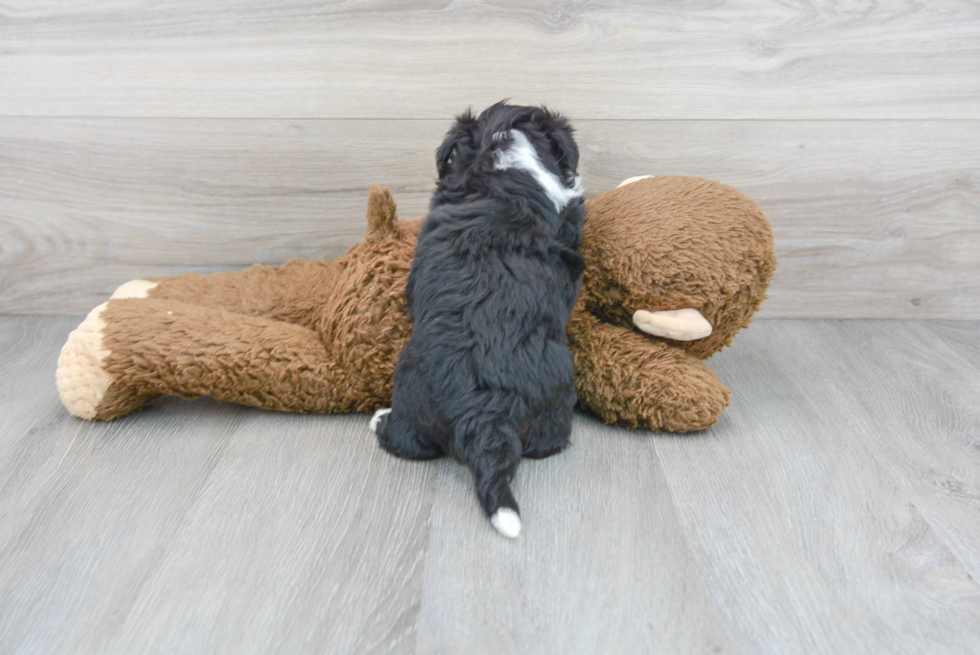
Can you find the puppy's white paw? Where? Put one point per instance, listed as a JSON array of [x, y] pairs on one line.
[[373, 425], [507, 522]]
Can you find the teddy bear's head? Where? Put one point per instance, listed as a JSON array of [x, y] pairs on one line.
[[674, 243]]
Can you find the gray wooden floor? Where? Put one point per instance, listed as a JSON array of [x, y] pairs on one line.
[[835, 508]]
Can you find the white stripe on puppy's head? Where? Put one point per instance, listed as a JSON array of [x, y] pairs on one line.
[[522, 156]]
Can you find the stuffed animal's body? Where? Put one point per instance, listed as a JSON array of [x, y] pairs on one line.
[[324, 336]]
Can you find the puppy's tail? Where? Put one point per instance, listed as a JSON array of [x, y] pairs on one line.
[[493, 457]]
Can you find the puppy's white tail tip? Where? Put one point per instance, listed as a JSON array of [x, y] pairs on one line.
[[507, 522], [378, 415]]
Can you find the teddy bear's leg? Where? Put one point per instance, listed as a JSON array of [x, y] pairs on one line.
[[633, 380], [129, 350], [287, 292]]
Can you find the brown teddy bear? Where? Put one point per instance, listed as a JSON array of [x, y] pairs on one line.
[[675, 266]]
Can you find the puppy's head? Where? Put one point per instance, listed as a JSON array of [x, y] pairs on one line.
[[504, 136]]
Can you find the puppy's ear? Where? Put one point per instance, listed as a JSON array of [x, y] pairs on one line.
[[559, 132], [564, 148], [458, 142]]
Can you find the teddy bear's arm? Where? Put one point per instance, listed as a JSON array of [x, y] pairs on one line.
[[640, 382], [290, 292]]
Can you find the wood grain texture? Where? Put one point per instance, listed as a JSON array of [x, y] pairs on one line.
[[831, 510], [598, 518], [301, 514], [844, 470], [872, 218], [942, 361], [205, 529], [623, 59]]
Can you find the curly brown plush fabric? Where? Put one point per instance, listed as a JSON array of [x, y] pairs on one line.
[[656, 244], [324, 336]]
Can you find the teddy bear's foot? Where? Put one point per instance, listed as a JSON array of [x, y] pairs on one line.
[[82, 381], [85, 387]]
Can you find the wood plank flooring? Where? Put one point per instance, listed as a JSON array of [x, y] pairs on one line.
[[834, 508]]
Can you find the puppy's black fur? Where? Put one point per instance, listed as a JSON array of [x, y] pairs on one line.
[[487, 376]]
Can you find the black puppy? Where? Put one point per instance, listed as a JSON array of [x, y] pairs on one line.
[[487, 376]]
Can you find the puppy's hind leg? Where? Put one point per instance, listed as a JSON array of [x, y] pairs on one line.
[[399, 438], [548, 433]]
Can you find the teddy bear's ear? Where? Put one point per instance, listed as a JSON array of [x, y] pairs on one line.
[[381, 217]]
